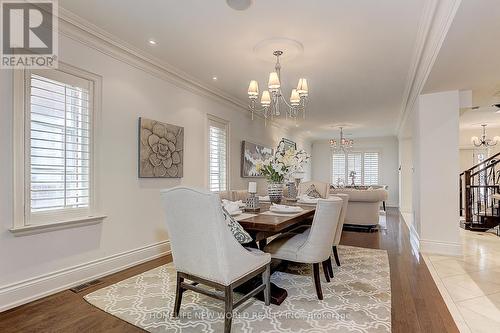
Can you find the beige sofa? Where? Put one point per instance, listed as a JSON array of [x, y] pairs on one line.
[[364, 206]]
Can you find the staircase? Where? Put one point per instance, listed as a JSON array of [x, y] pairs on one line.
[[480, 195]]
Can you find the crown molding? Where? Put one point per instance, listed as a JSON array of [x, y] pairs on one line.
[[434, 24], [82, 31]]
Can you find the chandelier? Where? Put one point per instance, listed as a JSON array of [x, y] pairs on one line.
[[484, 142], [343, 145], [272, 100]]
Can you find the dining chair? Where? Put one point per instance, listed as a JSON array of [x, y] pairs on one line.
[[312, 247], [205, 251], [321, 187], [340, 226]]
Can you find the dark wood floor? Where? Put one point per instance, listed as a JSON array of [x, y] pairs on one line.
[[417, 305]]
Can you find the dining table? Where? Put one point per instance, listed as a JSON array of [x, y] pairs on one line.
[[264, 224]]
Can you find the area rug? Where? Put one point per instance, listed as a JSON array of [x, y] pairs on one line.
[[358, 299]]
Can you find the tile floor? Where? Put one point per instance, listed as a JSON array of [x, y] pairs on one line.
[[470, 284]]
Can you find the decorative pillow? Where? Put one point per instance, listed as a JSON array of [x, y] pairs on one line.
[[239, 233], [313, 192]]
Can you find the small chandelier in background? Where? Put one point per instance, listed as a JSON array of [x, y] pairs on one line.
[[272, 100], [483, 141], [343, 145]]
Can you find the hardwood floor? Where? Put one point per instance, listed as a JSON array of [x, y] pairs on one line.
[[417, 305]]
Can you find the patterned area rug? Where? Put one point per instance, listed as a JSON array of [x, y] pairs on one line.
[[358, 299]]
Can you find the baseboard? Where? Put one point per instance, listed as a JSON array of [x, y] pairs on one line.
[[443, 248], [414, 236], [26, 291]]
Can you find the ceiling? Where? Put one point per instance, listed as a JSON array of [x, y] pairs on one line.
[[356, 54], [469, 59]]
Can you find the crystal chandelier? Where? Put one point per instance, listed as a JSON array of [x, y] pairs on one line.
[[343, 145], [484, 142], [272, 100]]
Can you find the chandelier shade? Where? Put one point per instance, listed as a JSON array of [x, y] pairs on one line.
[[253, 89]]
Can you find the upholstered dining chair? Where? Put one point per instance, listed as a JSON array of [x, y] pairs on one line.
[[340, 226], [322, 188], [205, 251], [312, 247]]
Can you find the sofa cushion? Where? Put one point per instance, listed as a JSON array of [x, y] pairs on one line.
[[312, 192]]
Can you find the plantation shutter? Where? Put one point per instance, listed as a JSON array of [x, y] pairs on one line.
[[354, 164], [59, 145], [338, 168], [371, 161], [217, 139]]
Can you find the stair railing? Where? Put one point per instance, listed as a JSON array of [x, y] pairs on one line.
[[476, 188]]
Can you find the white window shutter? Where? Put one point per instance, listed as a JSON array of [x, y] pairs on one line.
[[371, 168], [59, 142], [218, 148], [354, 164], [338, 169]]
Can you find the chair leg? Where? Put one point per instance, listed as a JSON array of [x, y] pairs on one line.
[[326, 270], [178, 295], [383, 204], [317, 282], [336, 255], [330, 267], [228, 309], [266, 279]]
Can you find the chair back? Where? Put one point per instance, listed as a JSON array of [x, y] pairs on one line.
[[340, 226], [200, 240], [318, 245], [321, 187]]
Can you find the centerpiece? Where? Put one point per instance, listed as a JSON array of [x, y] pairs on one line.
[[279, 167]]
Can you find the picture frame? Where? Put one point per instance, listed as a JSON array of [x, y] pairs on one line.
[[250, 153]]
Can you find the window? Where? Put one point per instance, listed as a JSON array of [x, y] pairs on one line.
[[364, 164], [370, 166], [338, 170], [57, 128], [217, 154], [354, 166]]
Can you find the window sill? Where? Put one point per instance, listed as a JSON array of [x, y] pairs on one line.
[[40, 228]]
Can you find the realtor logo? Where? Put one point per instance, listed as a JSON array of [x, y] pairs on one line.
[[29, 34]]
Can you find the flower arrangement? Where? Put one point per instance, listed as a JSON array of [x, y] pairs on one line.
[[282, 164]]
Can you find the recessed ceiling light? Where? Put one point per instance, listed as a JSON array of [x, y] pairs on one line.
[[214, 78], [239, 4], [152, 42]]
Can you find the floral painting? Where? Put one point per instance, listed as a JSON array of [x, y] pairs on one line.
[[161, 149], [250, 154]]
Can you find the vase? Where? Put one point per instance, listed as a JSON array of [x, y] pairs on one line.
[[292, 191], [275, 191]]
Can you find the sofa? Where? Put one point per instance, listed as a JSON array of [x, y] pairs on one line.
[[364, 206]]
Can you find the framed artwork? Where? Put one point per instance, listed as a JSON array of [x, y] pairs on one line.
[[161, 149], [287, 144], [250, 154]]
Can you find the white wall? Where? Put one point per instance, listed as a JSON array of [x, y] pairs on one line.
[[388, 148], [32, 266], [436, 165], [405, 176]]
